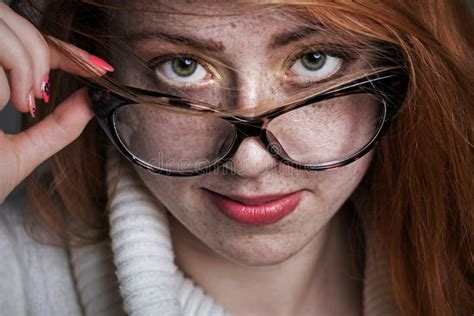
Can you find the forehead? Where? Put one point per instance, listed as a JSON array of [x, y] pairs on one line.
[[217, 21], [200, 10]]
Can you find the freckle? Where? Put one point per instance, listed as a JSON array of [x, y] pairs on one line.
[[219, 45], [220, 242], [232, 24]]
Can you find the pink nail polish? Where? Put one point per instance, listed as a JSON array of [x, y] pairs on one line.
[[32, 104], [99, 62], [45, 89]]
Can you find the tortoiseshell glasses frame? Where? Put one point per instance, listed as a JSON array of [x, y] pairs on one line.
[[388, 86]]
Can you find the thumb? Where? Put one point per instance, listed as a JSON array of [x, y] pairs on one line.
[[60, 128]]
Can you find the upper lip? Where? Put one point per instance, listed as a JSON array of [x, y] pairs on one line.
[[254, 199]]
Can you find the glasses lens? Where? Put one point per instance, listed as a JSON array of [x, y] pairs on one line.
[[328, 131], [178, 141]]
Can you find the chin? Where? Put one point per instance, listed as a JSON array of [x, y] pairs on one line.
[[260, 250]]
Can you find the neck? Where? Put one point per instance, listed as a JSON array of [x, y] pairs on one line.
[[319, 280]]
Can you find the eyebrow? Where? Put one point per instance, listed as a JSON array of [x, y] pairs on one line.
[[208, 45], [285, 38], [277, 40]]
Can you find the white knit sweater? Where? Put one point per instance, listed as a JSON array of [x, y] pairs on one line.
[[133, 273]]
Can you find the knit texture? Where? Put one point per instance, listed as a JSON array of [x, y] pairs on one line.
[[135, 274]]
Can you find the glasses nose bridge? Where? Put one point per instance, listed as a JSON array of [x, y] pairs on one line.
[[245, 129], [250, 129]]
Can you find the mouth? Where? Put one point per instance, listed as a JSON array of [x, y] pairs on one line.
[[255, 210]]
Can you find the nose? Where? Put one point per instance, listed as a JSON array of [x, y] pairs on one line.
[[251, 159]]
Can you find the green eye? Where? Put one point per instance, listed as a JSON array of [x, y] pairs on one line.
[[184, 67], [313, 61]]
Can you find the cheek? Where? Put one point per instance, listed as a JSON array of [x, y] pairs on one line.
[[336, 185], [173, 192], [172, 140]]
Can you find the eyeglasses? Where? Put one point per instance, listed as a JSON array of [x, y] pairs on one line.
[[174, 136]]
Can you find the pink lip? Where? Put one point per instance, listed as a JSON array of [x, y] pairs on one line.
[[256, 210]]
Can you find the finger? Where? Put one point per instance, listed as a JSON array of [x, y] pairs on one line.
[[4, 89], [35, 46], [53, 133], [69, 58], [51, 53], [16, 61]]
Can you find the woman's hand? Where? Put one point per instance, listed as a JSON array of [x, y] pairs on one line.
[[25, 62]]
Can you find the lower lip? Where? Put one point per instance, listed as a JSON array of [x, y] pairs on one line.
[[256, 215]]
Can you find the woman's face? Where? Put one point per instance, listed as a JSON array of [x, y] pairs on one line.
[[249, 60]]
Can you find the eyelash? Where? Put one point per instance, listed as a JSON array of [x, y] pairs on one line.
[[325, 50]]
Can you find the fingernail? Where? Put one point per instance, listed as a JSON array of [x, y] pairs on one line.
[[32, 104], [99, 62], [45, 89]]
